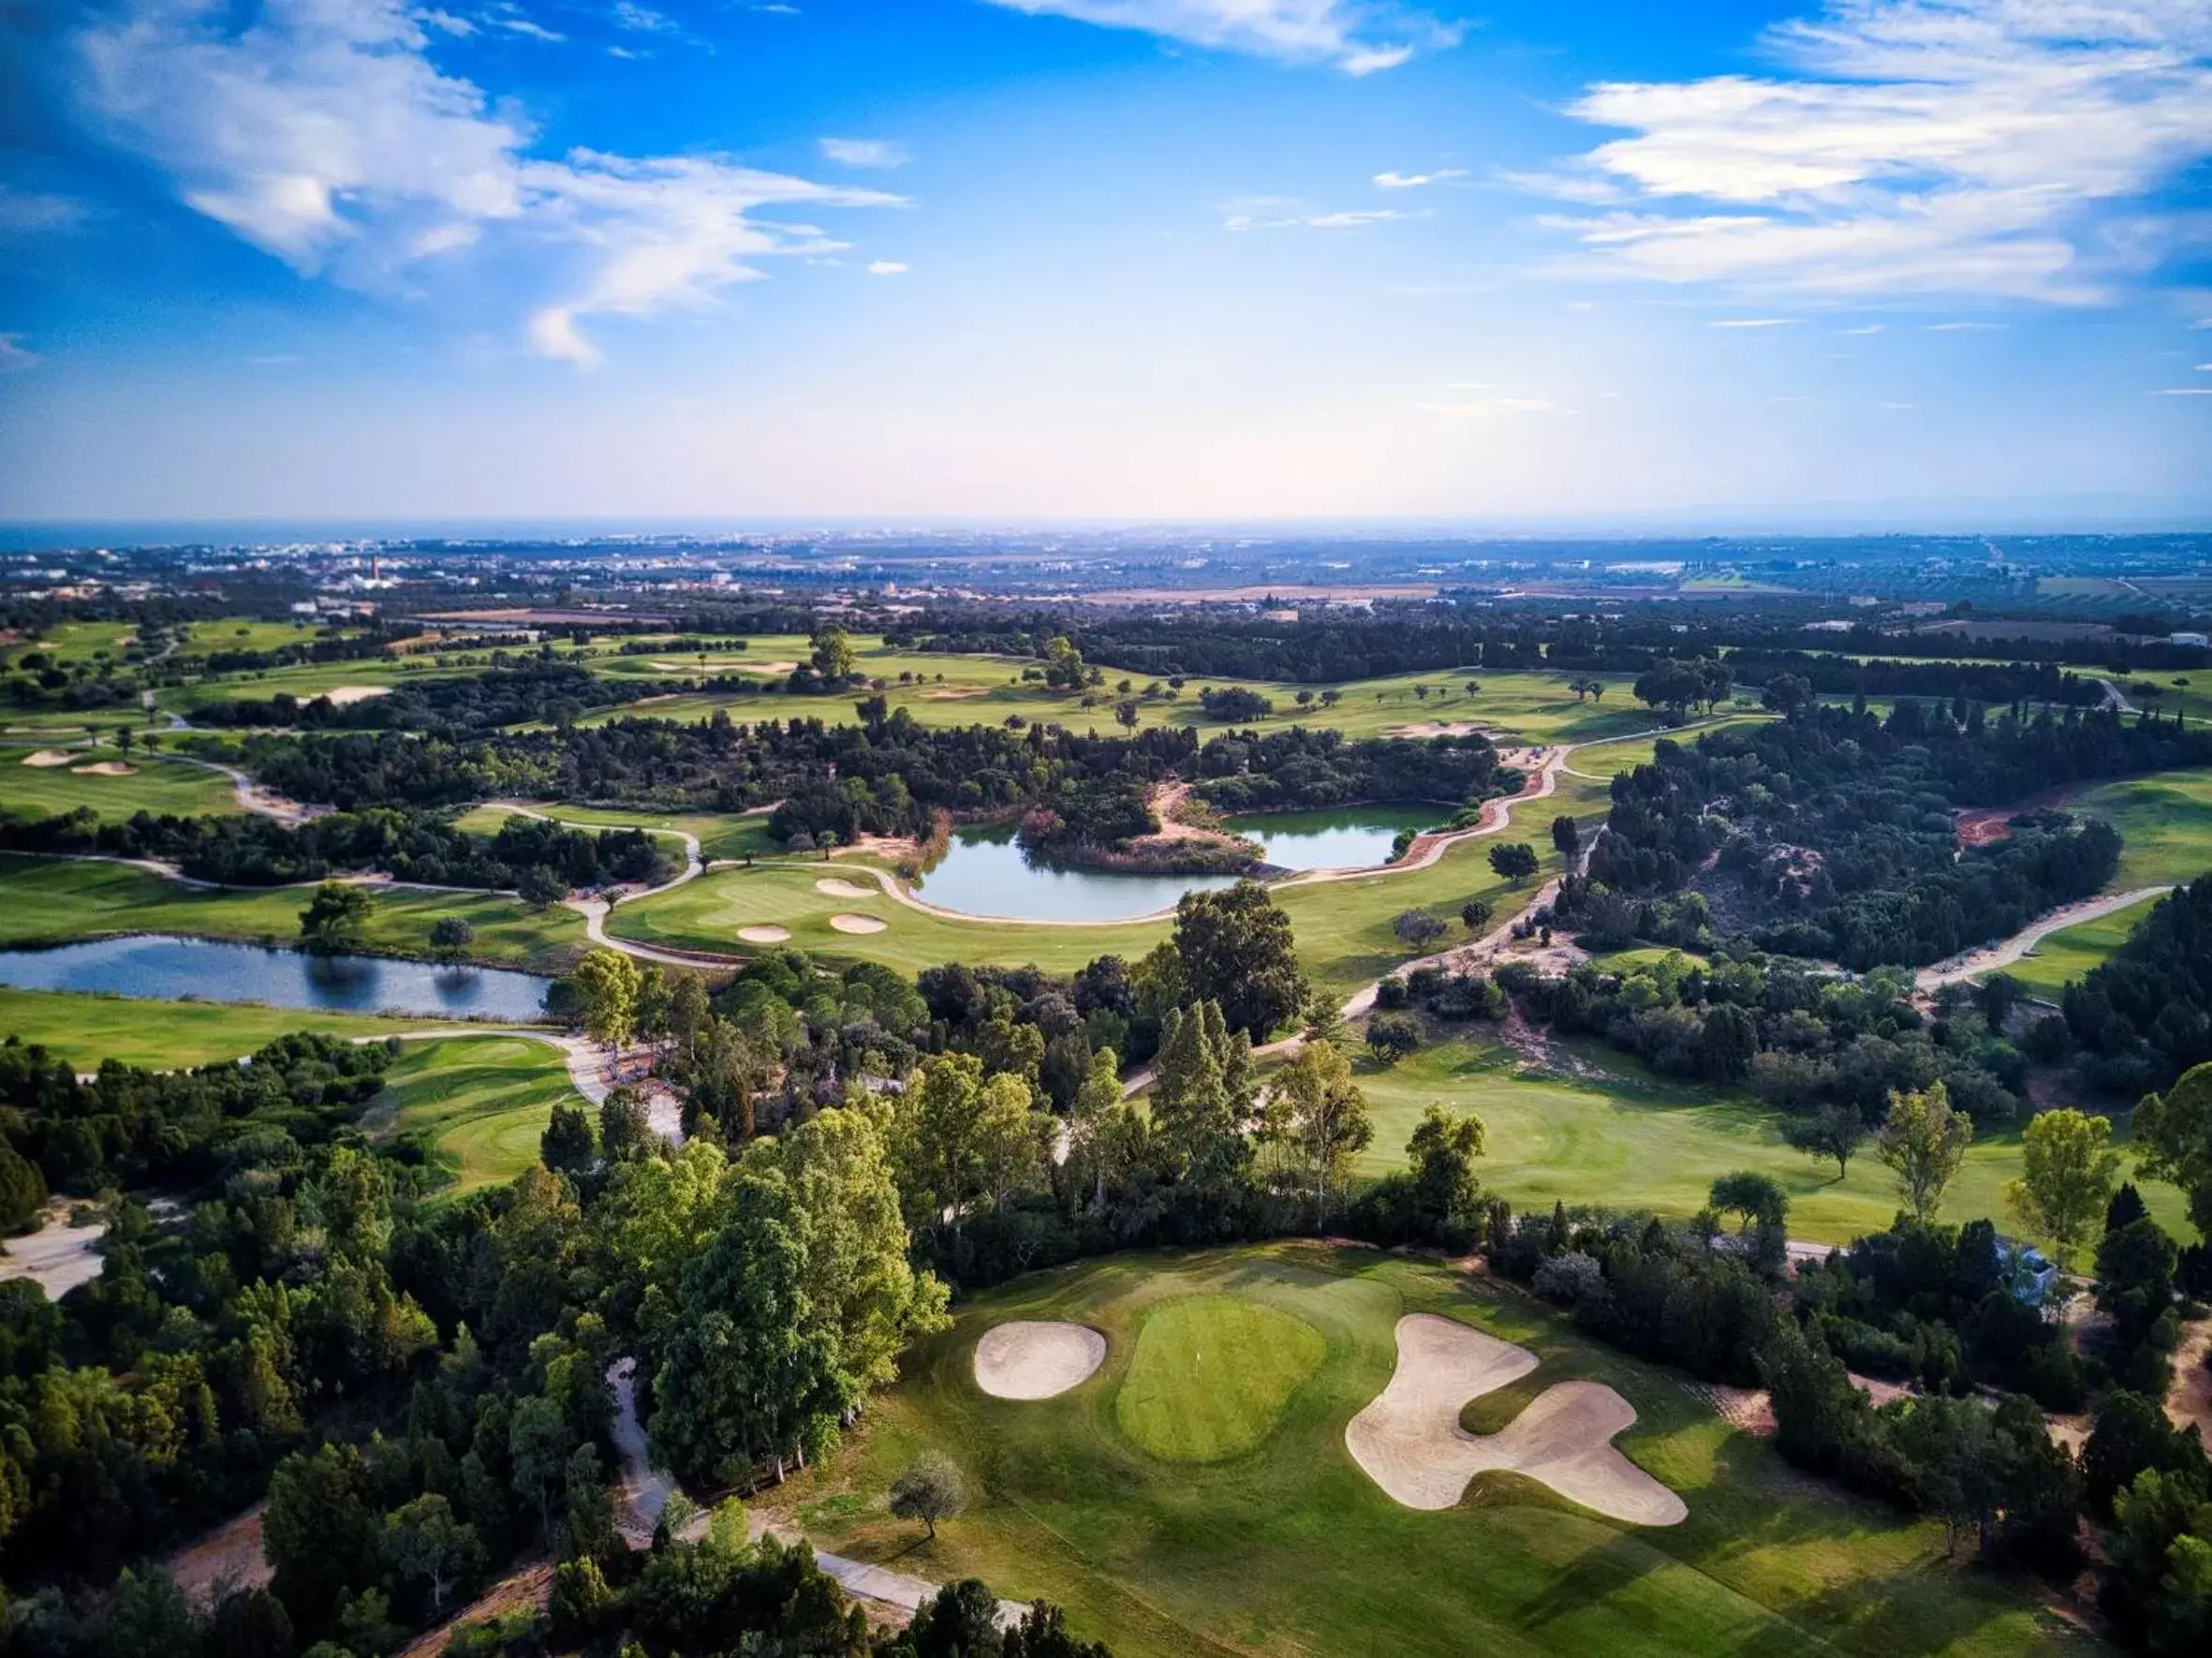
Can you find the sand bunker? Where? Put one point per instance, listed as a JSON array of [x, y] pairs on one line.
[[858, 923], [1438, 728], [1409, 1442], [106, 768], [833, 888], [1032, 1360], [46, 757], [344, 694], [764, 935]]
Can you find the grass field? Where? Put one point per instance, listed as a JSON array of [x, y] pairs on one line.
[[720, 834], [161, 784], [2064, 956], [163, 1035], [483, 1099], [2165, 821], [1631, 1142], [1288, 1549], [48, 900], [1176, 1407]]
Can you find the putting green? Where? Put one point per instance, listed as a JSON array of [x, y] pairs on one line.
[[1212, 1376]]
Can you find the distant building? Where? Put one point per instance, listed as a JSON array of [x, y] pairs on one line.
[[2198, 640]]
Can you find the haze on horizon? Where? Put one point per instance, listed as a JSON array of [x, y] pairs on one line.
[[1779, 262]]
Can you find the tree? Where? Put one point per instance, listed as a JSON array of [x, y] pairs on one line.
[[2067, 1166], [2173, 1134], [539, 887], [1475, 914], [626, 1128], [124, 738], [334, 917], [567, 1145], [1236, 951], [1127, 713], [1418, 928], [1566, 838], [1390, 1037], [1753, 1198], [1836, 1131], [1328, 1115], [22, 1189], [1670, 685], [424, 1543], [318, 1532], [830, 653], [1441, 1152], [1515, 860], [931, 1490], [1922, 1141], [606, 985], [450, 936], [1201, 1089]]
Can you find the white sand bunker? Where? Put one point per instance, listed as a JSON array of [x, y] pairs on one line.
[[858, 923], [341, 696], [830, 887], [1027, 1359], [106, 768], [48, 757], [1410, 1444], [764, 935]]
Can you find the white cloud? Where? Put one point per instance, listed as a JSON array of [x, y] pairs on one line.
[[627, 14], [2205, 368], [320, 132], [14, 355], [850, 152], [1929, 146], [1359, 36], [1897, 406], [1863, 328], [445, 22], [1315, 221], [1965, 327], [2184, 392], [1753, 322], [888, 268], [32, 209], [1414, 180], [522, 25]]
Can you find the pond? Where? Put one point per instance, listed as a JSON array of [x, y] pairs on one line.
[[985, 872], [203, 969]]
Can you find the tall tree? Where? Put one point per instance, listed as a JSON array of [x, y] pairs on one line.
[[2173, 1134], [334, 917], [1237, 951], [1924, 1140], [1201, 1092], [2067, 1166], [1328, 1115], [607, 987]]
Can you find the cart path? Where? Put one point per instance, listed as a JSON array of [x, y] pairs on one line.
[[1989, 957]]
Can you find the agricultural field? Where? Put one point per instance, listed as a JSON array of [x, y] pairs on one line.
[[164, 1035], [482, 1100], [49, 900], [1219, 1511], [1630, 1142], [157, 783]]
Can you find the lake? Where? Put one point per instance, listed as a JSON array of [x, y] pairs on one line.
[[164, 968], [985, 872]]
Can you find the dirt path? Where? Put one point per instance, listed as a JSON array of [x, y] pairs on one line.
[[2189, 1403], [1989, 957], [252, 797]]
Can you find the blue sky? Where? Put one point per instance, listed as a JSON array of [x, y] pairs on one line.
[[1130, 260]]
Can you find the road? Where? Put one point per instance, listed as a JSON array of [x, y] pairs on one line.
[[1989, 957]]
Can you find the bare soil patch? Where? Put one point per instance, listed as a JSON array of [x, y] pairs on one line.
[[1437, 728], [1410, 1444], [228, 1557], [341, 696], [1029, 1359], [2190, 1403], [106, 768], [830, 887], [857, 924], [58, 1257], [764, 935], [53, 757], [947, 693]]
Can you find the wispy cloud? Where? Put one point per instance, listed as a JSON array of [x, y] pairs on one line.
[[1965, 327], [2183, 392], [1863, 328], [1353, 220], [515, 23], [888, 268], [34, 210], [852, 152], [1897, 406], [325, 135], [1359, 36], [1753, 322], [1989, 147], [15, 355], [1414, 180], [1486, 409], [641, 20]]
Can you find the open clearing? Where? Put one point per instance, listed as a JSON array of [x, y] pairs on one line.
[[1291, 1550], [1411, 1442], [58, 1257], [1027, 1359]]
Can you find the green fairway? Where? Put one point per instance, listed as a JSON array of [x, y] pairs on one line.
[[1629, 1143], [1177, 1406], [2165, 821], [163, 1035], [720, 834], [2064, 956], [482, 1100], [160, 783], [1291, 1550], [50, 901]]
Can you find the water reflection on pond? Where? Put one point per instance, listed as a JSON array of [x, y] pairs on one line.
[[985, 872], [174, 970]]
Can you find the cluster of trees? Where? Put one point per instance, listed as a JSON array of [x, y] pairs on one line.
[[1961, 684], [542, 861], [2144, 1015], [1831, 834], [542, 687]]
